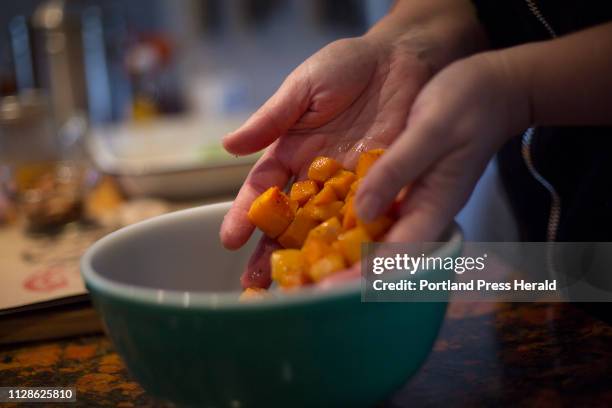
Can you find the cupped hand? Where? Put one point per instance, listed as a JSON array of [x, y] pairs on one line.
[[457, 123], [353, 95]]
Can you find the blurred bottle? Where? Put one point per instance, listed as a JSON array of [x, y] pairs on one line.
[[73, 50], [59, 59]]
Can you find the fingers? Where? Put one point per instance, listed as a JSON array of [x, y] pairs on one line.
[[434, 201], [268, 171], [424, 223], [273, 119], [417, 148], [257, 273]]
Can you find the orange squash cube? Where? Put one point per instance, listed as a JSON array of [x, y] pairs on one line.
[[326, 266], [250, 294], [325, 211], [296, 233], [343, 211], [272, 212], [350, 217], [349, 243], [289, 268], [325, 196], [366, 160], [341, 183], [302, 191], [315, 249], [353, 189], [294, 205], [327, 231], [378, 227], [322, 168]]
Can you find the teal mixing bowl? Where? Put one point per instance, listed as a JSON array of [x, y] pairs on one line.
[[167, 292]]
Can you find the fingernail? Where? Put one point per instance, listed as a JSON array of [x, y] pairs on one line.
[[368, 207]]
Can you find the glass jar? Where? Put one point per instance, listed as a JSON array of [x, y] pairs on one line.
[[42, 169]]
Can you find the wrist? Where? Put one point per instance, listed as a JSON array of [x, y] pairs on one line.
[[438, 36], [507, 85]]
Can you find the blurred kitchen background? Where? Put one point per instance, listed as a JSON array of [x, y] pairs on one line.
[[121, 60], [143, 90]]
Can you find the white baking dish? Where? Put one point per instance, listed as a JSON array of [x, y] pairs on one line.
[[175, 158]]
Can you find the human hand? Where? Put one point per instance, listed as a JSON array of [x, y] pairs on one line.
[[457, 123], [353, 95], [468, 110]]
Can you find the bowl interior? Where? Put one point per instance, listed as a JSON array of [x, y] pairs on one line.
[[176, 252]]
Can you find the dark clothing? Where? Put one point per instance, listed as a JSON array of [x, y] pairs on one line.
[[577, 161], [511, 22]]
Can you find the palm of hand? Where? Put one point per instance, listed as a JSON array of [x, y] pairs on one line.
[[360, 98]]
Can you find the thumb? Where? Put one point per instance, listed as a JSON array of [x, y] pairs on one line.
[[405, 160], [273, 118]]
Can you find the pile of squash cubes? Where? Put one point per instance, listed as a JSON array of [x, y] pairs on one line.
[[316, 223]]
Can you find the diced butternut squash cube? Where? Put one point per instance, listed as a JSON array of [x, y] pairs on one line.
[[341, 183], [272, 212], [378, 227], [289, 268], [353, 189], [349, 219], [325, 196], [294, 205], [326, 266], [322, 168], [366, 160], [325, 211], [302, 191], [296, 233], [251, 294], [327, 231], [349, 243], [315, 249]]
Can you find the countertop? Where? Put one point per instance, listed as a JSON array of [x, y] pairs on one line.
[[487, 354]]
